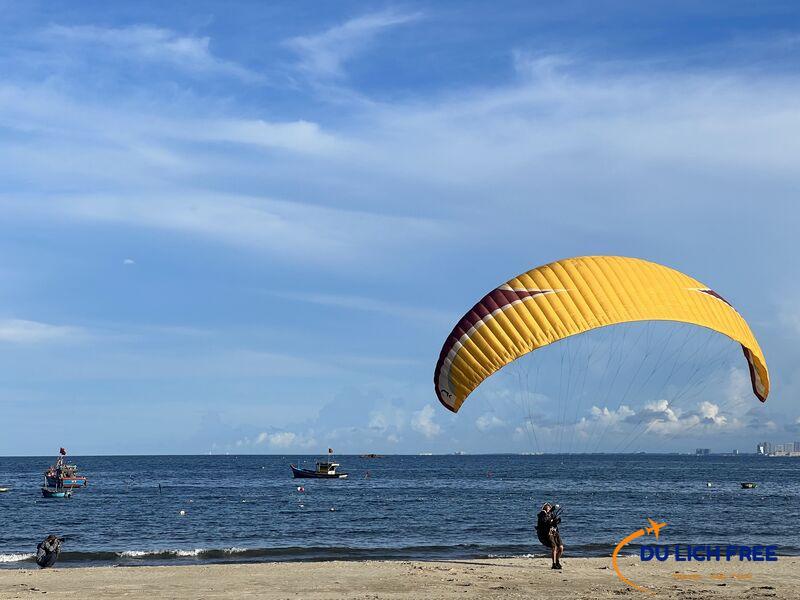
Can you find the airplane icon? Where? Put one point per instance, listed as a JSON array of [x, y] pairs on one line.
[[654, 527]]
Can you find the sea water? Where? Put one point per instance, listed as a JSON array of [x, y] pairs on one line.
[[248, 508]]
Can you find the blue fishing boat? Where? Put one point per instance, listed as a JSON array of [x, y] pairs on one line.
[[48, 492], [323, 469], [62, 475]]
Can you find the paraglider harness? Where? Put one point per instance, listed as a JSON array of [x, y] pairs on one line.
[[48, 550], [547, 526]]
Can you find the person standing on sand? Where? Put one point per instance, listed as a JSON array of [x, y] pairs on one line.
[[547, 531]]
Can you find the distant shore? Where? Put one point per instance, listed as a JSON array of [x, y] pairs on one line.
[[507, 578]]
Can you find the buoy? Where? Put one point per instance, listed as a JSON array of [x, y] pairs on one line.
[[300, 488], [183, 513], [708, 484]]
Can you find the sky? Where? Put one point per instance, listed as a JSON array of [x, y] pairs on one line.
[[248, 227]]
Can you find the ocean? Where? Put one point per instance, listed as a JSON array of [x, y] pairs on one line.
[[248, 508]]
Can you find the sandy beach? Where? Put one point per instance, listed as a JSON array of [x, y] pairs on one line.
[[588, 578]]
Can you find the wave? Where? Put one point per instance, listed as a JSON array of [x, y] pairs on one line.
[[16, 557], [296, 553], [293, 553], [197, 552]]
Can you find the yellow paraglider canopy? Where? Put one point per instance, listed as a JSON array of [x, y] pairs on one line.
[[572, 296]]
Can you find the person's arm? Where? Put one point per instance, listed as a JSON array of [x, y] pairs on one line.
[[552, 519]]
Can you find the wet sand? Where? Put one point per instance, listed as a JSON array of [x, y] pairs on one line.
[[591, 578]]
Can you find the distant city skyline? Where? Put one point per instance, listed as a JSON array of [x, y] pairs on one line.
[[779, 448], [249, 228]]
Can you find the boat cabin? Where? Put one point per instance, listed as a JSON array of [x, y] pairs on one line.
[[326, 468]]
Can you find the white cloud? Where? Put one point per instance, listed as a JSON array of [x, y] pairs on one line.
[[663, 419], [488, 421], [422, 422], [291, 230], [147, 43], [608, 416], [387, 420], [283, 439], [660, 409], [303, 137], [21, 331], [378, 422], [324, 54], [279, 440], [473, 144], [128, 261], [710, 413], [365, 304]]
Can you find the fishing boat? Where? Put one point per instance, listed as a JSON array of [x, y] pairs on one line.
[[49, 492], [3, 490], [749, 485], [323, 469], [62, 475]]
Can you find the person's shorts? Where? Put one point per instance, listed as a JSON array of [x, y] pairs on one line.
[[554, 538]]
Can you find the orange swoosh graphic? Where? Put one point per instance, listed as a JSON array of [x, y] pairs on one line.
[[627, 540]]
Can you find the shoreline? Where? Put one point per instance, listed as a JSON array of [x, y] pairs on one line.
[[140, 559], [590, 578]]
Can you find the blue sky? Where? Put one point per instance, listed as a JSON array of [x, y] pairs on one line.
[[248, 227]]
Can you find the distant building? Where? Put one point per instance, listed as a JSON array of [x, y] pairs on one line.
[[784, 449], [703, 451]]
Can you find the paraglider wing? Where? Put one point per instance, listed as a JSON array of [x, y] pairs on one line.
[[572, 296]]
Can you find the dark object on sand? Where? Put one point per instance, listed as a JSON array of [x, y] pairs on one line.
[[47, 551], [749, 485]]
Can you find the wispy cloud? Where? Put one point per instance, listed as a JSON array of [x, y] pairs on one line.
[[146, 43], [304, 137], [488, 422], [366, 304], [423, 422], [290, 230], [277, 440], [455, 177], [323, 55], [21, 331]]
